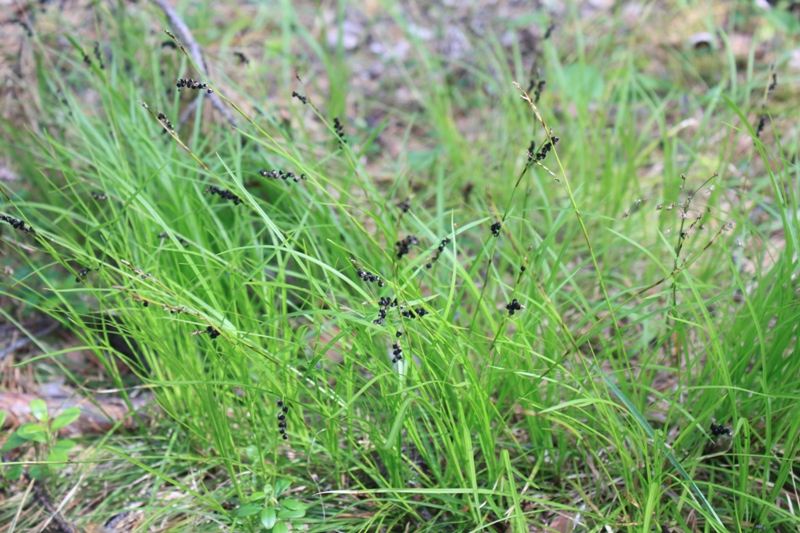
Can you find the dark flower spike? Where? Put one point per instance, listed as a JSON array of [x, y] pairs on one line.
[[762, 122], [189, 83], [17, 224], [339, 129], [537, 91], [98, 55], [496, 227], [368, 277], [228, 195], [718, 430], [82, 274], [403, 246], [513, 307], [300, 97], [163, 118]]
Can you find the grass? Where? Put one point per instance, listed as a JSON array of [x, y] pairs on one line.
[[589, 408]]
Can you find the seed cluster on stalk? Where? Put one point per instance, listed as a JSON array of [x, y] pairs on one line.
[[543, 150], [282, 419], [17, 224], [381, 316], [210, 331], [718, 430], [439, 250], [228, 195], [496, 227], [275, 174], [397, 352], [300, 97], [513, 307], [412, 314], [82, 274], [402, 247], [98, 55], [339, 129], [163, 118], [370, 278], [189, 83]]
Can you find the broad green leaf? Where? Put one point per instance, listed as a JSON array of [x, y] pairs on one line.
[[257, 496], [57, 456], [281, 485], [64, 445], [280, 527], [13, 472], [13, 441], [37, 471], [292, 509], [39, 410], [32, 431], [268, 517], [293, 504], [67, 417], [2, 418], [248, 509]]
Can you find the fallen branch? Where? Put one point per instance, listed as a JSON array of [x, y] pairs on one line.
[[195, 51]]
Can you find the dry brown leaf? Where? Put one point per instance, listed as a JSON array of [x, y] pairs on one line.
[[563, 522]]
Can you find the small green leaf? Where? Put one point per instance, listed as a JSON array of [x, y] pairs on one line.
[[64, 445], [281, 485], [57, 456], [39, 410], [13, 472], [251, 452], [2, 418], [292, 509], [37, 471], [67, 417], [257, 496], [32, 431], [268, 489], [268, 517], [280, 527], [248, 509], [293, 504], [13, 441]]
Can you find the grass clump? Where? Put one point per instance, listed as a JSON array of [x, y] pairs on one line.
[[436, 324]]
